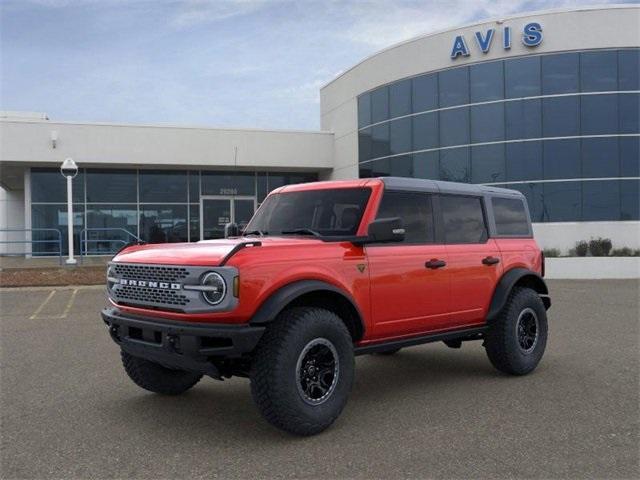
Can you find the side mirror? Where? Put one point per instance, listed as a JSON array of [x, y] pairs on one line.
[[385, 230], [231, 230]]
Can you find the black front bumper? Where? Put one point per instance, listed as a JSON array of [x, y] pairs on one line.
[[186, 346]]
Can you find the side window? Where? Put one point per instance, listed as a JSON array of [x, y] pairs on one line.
[[415, 211], [463, 219], [511, 216]]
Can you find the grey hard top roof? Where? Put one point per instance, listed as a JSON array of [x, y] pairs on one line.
[[438, 186]]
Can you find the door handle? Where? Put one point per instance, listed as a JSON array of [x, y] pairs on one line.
[[490, 260], [435, 263]]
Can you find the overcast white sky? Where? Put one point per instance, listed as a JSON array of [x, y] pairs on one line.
[[244, 63]]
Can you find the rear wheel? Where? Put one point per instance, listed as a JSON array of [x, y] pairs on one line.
[[517, 339], [302, 372], [156, 378]]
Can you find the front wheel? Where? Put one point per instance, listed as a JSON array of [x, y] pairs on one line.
[[156, 378], [518, 337], [302, 372]]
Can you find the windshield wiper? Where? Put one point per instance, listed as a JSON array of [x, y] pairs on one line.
[[302, 231], [254, 232]]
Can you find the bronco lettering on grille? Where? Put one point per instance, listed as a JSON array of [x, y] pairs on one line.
[[150, 284]]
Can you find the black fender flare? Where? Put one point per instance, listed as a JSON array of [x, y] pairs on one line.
[[506, 284], [270, 308]]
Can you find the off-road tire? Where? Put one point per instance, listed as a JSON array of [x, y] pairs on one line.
[[156, 378], [502, 344], [274, 374]]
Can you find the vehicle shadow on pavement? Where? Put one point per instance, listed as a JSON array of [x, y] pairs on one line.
[[227, 406]]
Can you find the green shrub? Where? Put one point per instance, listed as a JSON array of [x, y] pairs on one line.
[[625, 252], [600, 247], [551, 252], [581, 249]]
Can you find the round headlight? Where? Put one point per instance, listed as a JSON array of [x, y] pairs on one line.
[[215, 288]]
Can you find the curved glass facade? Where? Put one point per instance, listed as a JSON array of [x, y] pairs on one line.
[[561, 128]]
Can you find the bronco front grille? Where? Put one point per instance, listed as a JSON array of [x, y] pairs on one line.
[[136, 295], [157, 273]]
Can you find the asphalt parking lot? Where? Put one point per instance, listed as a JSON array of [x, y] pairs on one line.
[[69, 411]]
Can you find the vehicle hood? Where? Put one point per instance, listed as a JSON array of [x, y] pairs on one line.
[[204, 253]]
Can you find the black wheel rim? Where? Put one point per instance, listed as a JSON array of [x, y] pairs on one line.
[[317, 371], [527, 330]]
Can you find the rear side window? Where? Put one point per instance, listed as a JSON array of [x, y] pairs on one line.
[[463, 219], [511, 217], [415, 211]]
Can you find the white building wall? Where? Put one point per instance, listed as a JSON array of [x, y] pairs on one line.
[[11, 217], [564, 235]]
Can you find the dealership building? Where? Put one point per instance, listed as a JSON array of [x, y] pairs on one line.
[[547, 103]]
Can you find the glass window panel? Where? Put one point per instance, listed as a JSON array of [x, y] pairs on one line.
[[381, 168], [365, 145], [599, 114], [262, 187], [454, 127], [599, 71], [629, 69], [415, 211], [400, 135], [400, 98], [600, 201], [560, 116], [163, 223], [454, 165], [522, 77], [487, 81], [629, 200], [523, 119], [380, 140], [487, 164], [454, 87], [425, 131], [364, 110], [562, 159], [560, 73], [401, 166], [426, 165], [194, 186], [629, 156], [52, 216], [463, 219], [228, 183], [380, 105], [629, 112], [511, 216], [600, 157], [280, 179], [364, 170], [425, 92], [162, 186], [533, 194], [48, 185], [562, 201], [524, 161], [113, 221], [194, 222], [487, 123], [111, 186]]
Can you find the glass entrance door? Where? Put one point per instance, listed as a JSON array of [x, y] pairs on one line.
[[217, 211]]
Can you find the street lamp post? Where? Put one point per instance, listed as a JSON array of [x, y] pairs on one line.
[[69, 170]]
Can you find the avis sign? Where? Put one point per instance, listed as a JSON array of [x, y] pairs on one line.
[[531, 37]]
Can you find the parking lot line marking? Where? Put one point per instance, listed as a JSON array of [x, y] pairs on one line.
[[39, 309], [69, 304]]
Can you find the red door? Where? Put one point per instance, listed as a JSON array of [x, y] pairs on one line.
[[474, 261], [409, 281]]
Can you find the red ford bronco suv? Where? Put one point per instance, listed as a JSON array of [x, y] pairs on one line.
[[326, 271]]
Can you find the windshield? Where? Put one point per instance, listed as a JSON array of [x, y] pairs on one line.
[[333, 212]]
